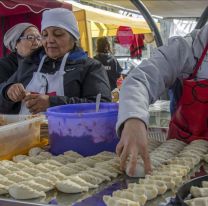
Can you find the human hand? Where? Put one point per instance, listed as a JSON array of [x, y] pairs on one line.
[[36, 102], [134, 141], [16, 92]]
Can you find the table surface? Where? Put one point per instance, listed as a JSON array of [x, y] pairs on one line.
[[94, 196]]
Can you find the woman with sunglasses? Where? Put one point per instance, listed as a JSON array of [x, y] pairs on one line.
[[57, 74], [22, 39]]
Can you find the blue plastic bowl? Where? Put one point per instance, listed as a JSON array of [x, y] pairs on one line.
[[79, 128]]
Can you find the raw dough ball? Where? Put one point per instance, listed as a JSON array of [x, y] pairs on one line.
[[35, 151], [139, 171]]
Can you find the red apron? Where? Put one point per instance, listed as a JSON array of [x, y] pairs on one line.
[[190, 120]]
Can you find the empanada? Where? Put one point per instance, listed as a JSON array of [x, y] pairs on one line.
[[141, 199], [24, 192], [200, 201], [199, 192], [68, 186], [117, 201]]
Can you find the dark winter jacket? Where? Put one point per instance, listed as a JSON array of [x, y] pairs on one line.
[[112, 67], [83, 80], [9, 65]]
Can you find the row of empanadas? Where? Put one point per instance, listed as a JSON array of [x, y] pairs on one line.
[[40, 172], [164, 176]]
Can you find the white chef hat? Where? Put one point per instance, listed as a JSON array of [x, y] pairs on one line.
[[13, 34], [62, 18]]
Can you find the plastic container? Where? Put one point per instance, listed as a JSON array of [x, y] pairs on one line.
[[159, 120], [160, 114], [18, 134], [158, 133], [79, 128]]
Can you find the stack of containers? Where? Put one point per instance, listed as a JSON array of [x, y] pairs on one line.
[[159, 120]]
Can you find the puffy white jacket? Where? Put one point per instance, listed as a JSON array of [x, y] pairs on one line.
[[145, 84]]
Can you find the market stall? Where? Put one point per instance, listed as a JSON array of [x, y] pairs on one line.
[[80, 167], [95, 22], [92, 22]]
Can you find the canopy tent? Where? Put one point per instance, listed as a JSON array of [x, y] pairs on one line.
[[162, 8], [95, 22], [101, 29], [17, 11]]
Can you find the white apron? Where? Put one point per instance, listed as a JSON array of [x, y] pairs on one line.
[[51, 84]]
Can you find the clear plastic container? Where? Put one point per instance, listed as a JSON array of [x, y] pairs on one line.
[[79, 128], [159, 114], [159, 120], [158, 134], [18, 134]]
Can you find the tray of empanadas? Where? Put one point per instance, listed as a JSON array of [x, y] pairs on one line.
[[194, 192]]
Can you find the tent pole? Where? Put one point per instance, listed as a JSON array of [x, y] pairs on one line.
[[146, 14], [203, 19]]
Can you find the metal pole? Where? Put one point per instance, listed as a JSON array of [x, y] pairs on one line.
[[146, 14], [203, 19]]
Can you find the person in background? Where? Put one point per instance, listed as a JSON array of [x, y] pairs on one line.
[[57, 74], [104, 55], [22, 39], [182, 65]]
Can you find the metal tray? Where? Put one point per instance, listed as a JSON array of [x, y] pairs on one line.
[[53, 197], [95, 196], [92, 198]]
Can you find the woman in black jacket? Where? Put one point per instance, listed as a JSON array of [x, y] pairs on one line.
[[22, 39], [104, 55], [61, 73]]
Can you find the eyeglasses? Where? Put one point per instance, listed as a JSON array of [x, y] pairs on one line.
[[31, 38]]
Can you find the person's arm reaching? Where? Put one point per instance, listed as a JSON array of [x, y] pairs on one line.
[[135, 133], [143, 86]]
